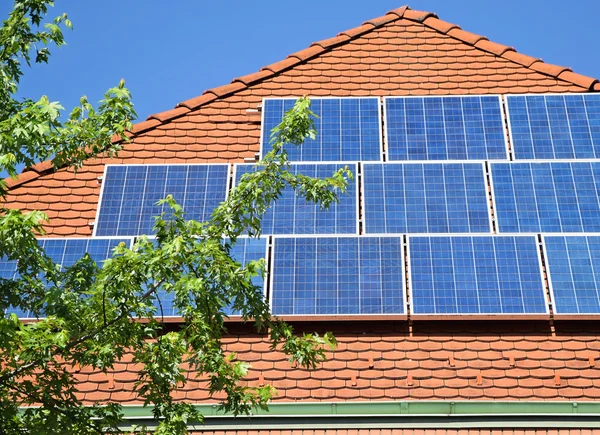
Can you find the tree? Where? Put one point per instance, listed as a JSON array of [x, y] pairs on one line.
[[90, 316]]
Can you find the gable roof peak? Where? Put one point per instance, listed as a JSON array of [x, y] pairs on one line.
[[318, 48]]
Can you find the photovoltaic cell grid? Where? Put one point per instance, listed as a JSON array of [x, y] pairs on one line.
[[554, 126], [337, 276], [445, 128], [130, 193], [348, 129], [291, 214], [476, 275], [66, 252], [547, 196], [244, 251], [425, 198], [574, 268]]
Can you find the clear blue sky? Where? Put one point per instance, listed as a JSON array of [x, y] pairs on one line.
[[169, 51]]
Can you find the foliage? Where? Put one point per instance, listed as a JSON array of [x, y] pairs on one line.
[[92, 316]]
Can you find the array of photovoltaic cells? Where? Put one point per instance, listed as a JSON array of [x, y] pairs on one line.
[[291, 214], [547, 196], [130, 193], [573, 264], [554, 126], [348, 129], [337, 276], [473, 275], [243, 251], [425, 198], [66, 252], [445, 128]]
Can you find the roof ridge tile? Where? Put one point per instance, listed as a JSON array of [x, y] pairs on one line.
[[280, 66], [250, 79], [419, 16], [194, 103], [383, 20], [332, 42], [169, 114], [464, 36], [307, 53], [578, 79], [521, 59], [399, 12], [440, 25], [493, 47], [357, 31]]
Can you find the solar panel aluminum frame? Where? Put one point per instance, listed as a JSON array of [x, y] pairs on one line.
[[385, 129], [516, 162], [355, 173], [27, 320], [151, 164], [338, 317], [233, 318], [508, 123], [474, 316], [423, 162], [379, 119], [564, 316]]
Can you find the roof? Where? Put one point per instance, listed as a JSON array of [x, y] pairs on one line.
[[404, 52], [385, 362]]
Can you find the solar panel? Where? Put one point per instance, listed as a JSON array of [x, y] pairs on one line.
[[425, 198], [475, 275], [244, 251], [547, 196], [333, 276], [444, 128], [554, 126], [348, 129], [66, 252], [291, 214], [573, 263], [130, 192]]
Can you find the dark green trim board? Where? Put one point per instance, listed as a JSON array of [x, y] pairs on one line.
[[415, 414]]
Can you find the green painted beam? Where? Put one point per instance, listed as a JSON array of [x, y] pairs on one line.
[[405, 408]]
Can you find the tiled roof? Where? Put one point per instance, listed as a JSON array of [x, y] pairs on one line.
[[404, 52], [390, 363]]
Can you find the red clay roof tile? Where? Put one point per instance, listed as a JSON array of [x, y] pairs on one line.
[[169, 114], [578, 79], [357, 31], [468, 37]]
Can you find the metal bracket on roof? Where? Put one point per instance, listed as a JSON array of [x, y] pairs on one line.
[[254, 159], [91, 224], [100, 178], [252, 111]]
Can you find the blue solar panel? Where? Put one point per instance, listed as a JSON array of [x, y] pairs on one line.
[[573, 263], [445, 128], [554, 126], [348, 129], [425, 198], [337, 276], [475, 275], [66, 252], [244, 251], [291, 214], [130, 192], [547, 196]]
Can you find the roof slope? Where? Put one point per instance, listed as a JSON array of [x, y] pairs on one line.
[[404, 52], [436, 362]]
